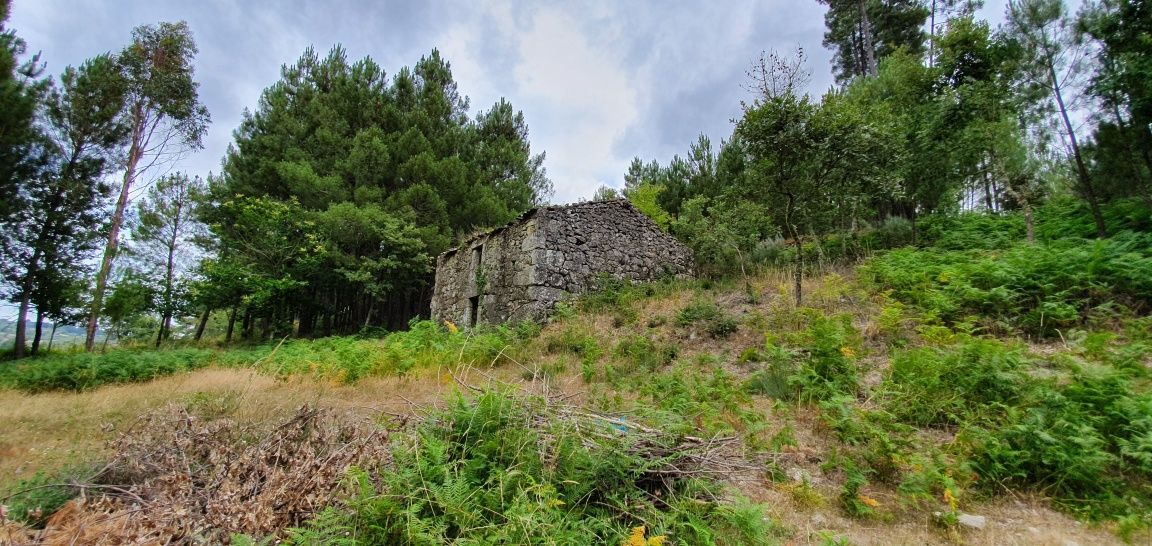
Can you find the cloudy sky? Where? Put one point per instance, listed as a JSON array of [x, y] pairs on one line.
[[599, 81]]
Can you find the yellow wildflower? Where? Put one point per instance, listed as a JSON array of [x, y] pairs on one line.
[[869, 501], [848, 352], [950, 499], [452, 328], [637, 537]]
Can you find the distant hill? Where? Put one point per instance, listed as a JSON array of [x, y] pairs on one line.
[[65, 335]]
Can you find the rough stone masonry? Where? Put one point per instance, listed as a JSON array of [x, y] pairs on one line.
[[520, 271]]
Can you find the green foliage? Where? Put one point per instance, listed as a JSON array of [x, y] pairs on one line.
[[1088, 442], [714, 321], [827, 365], [643, 197], [708, 399], [83, 371], [380, 173], [644, 354], [501, 470], [425, 345], [33, 500], [851, 499], [698, 311], [971, 381], [972, 230], [1035, 288]]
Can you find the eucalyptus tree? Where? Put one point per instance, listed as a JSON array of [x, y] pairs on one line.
[[163, 111]]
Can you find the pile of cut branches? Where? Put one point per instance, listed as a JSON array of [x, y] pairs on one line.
[[194, 481]]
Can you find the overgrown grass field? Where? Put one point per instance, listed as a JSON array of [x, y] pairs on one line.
[[927, 384]]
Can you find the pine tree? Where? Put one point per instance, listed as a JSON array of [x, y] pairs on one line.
[[59, 226]]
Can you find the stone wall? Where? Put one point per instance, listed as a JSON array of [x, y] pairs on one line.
[[588, 239], [548, 255], [495, 268]]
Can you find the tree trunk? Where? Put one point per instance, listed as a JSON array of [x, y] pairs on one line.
[[134, 154], [27, 284], [21, 328], [202, 324], [165, 326], [169, 275], [988, 190], [39, 331], [52, 336], [231, 325], [867, 42], [246, 324], [1029, 222], [1081, 169], [798, 274]]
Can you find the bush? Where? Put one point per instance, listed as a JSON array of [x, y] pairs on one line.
[[1087, 442], [699, 311], [424, 345], [829, 368]]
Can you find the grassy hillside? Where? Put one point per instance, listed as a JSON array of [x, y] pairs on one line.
[[901, 399]]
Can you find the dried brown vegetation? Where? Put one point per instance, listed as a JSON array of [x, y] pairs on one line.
[[179, 478]]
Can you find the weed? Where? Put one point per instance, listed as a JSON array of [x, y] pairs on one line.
[[34, 500], [832, 345], [722, 327], [1038, 289], [804, 495], [965, 382], [699, 311]]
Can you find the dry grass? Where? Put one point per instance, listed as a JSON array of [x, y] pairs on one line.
[[49, 430]]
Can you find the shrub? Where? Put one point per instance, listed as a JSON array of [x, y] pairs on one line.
[[644, 354], [829, 368], [1087, 442], [699, 311], [34, 500]]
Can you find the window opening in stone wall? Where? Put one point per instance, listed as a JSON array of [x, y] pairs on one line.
[[473, 311]]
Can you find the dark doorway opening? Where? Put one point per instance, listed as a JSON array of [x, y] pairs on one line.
[[474, 311]]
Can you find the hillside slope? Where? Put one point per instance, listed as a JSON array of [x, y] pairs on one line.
[[863, 416]]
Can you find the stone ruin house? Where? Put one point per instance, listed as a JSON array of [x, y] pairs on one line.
[[520, 271]]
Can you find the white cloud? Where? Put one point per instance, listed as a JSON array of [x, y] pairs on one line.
[[584, 97]]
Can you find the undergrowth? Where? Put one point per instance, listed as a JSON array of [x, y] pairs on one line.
[[82, 371], [507, 470]]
